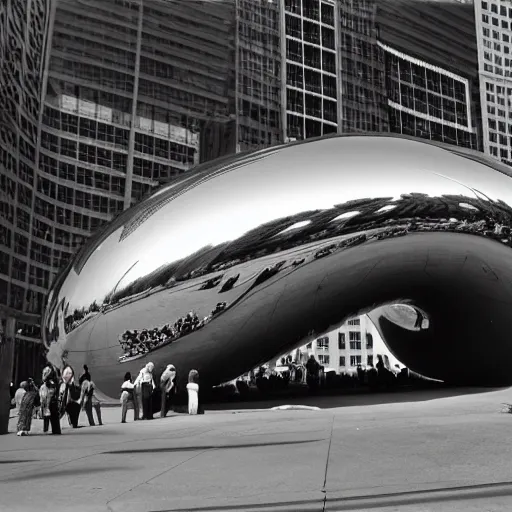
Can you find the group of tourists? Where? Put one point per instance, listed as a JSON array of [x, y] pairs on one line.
[[135, 343], [59, 395], [138, 394]]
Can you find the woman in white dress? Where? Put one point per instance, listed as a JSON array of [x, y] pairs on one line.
[[147, 385], [193, 391]]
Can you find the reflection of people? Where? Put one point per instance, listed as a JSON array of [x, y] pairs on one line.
[[312, 370], [29, 401], [147, 385], [49, 401], [167, 388], [193, 391], [128, 398]]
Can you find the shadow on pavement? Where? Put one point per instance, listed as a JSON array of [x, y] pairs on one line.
[[210, 447], [333, 399]]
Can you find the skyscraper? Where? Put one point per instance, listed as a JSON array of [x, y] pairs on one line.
[[106, 99], [309, 35], [494, 33], [24, 27]]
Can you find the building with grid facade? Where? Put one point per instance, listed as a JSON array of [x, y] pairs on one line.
[[24, 28], [494, 35], [309, 78], [397, 75]]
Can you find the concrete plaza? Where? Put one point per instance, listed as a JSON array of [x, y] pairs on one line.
[[424, 451]]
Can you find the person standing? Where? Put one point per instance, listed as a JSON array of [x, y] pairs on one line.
[[128, 397], [147, 385], [29, 401], [88, 402], [167, 388], [193, 391], [20, 393], [85, 375], [48, 394], [69, 396]]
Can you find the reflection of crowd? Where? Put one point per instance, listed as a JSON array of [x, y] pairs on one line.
[[136, 343]]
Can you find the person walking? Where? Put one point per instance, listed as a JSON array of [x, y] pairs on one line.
[[48, 394], [29, 401], [128, 398], [167, 388], [88, 401], [147, 385]]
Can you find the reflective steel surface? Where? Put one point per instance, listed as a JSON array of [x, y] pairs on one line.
[[252, 255]]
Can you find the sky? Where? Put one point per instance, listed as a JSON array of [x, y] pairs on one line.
[[298, 178]]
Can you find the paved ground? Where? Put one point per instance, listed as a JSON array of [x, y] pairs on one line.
[[445, 454]]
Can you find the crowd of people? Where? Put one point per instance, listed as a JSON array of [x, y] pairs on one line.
[[138, 394], [58, 395], [136, 343]]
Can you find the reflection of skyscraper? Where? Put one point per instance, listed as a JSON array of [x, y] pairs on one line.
[[494, 25]]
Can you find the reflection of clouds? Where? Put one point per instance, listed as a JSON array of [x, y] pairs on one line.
[[468, 206], [305, 177], [346, 215], [386, 208], [295, 226]]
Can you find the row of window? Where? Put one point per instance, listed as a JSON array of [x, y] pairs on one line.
[[300, 128], [37, 276], [354, 340], [312, 9], [314, 106], [503, 11], [34, 301], [354, 360]]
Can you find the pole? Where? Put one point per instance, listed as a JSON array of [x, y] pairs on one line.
[[7, 340]]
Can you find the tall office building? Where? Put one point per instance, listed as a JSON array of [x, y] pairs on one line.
[[398, 76], [24, 26], [309, 77], [494, 34], [106, 99]]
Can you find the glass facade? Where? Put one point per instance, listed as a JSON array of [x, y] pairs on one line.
[[494, 35], [426, 101], [258, 74], [362, 72], [24, 269], [310, 36]]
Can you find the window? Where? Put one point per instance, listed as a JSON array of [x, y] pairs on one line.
[[369, 340], [309, 346], [355, 345], [355, 360], [354, 336], [341, 341], [354, 321], [369, 360], [323, 359], [323, 342], [342, 360]]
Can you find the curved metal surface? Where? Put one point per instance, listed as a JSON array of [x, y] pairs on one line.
[[293, 241]]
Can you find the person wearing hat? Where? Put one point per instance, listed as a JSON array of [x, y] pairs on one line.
[[167, 388]]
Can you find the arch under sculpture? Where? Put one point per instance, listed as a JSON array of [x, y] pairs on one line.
[[274, 248]]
